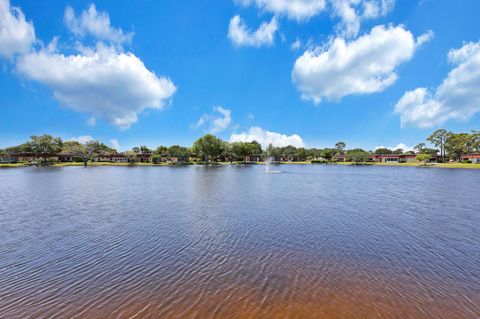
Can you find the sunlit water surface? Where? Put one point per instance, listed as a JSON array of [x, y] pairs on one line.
[[234, 242]]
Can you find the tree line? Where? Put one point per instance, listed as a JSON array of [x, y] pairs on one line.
[[446, 145]]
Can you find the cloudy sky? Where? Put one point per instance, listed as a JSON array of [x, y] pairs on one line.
[[301, 72]]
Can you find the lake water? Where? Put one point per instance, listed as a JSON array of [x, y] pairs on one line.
[[234, 242]]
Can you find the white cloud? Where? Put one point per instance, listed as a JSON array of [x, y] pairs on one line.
[[16, 34], [92, 121], [103, 82], [363, 66], [216, 123], [402, 146], [296, 45], [265, 138], [457, 98], [353, 12], [96, 24], [240, 35], [115, 144], [82, 139], [299, 10]]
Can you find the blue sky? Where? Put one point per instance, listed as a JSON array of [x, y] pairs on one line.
[[304, 72]]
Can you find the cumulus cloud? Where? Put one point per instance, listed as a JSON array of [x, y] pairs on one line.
[[352, 12], [265, 138], [216, 123], [362, 66], [82, 139], [241, 35], [16, 34], [115, 144], [94, 23], [299, 10], [457, 98], [102, 82]]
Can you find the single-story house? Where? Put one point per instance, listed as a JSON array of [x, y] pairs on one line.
[[34, 157], [8, 159], [144, 157], [474, 157], [253, 158], [114, 157]]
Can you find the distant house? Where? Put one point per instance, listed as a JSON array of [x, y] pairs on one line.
[[144, 157], [386, 158], [253, 158], [112, 157], [8, 159], [473, 157], [394, 158], [34, 157], [69, 157]]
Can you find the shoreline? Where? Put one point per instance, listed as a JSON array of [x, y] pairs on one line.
[[102, 164]]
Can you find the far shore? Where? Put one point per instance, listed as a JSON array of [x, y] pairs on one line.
[[98, 164]]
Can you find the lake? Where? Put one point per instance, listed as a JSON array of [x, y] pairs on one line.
[[234, 242]]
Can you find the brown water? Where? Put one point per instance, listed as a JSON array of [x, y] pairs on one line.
[[233, 242]]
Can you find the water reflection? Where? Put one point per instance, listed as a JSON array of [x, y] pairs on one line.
[[313, 242]]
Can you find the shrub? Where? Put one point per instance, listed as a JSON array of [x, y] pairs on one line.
[[467, 162]]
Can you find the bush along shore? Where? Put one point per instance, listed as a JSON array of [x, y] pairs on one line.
[[444, 149]]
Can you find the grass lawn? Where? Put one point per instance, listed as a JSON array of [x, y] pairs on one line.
[[7, 165], [96, 164], [441, 165]]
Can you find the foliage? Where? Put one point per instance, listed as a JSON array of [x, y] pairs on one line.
[[208, 146], [383, 150], [340, 147], [132, 157], [458, 144], [156, 158], [438, 139], [180, 152], [161, 150], [424, 158], [46, 145], [357, 155], [419, 147]]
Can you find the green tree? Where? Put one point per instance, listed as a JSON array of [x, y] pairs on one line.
[[328, 153], [132, 157], [46, 145], [398, 151], [301, 153], [357, 155], [180, 152], [208, 146], [431, 151], [419, 147], [227, 152], [340, 147], [383, 150], [425, 158], [475, 140], [93, 149], [438, 139], [161, 150], [240, 150], [458, 144], [145, 150], [156, 158]]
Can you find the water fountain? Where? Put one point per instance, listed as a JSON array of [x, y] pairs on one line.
[[268, 162]]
